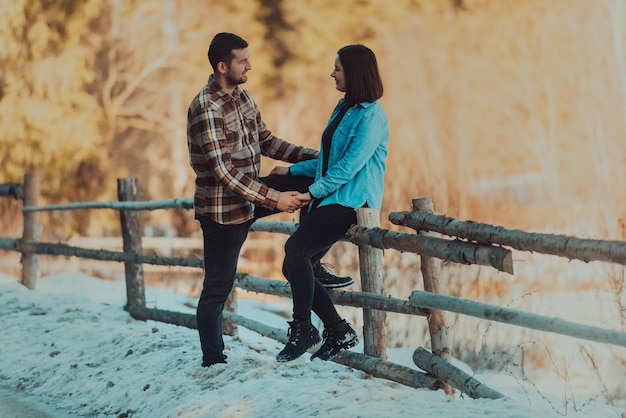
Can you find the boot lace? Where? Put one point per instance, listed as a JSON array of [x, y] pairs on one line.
[[294, 332]]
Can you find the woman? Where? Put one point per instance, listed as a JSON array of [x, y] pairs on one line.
[[348, 174]]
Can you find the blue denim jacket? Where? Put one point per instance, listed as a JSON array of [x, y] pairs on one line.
[[356, 162]]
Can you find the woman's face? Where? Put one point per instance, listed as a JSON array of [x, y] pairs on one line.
[[339, 75]]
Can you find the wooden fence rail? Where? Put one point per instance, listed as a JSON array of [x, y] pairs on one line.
[[514, 317], [478, 249], [448, 250], [12, 190], [561, 245], [375, 366]]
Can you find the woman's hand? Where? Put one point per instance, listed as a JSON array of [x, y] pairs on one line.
[[304, 198], [280, 171]]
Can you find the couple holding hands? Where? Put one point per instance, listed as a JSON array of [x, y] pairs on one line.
[[227, 136]]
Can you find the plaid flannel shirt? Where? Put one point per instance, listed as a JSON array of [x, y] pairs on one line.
[[226, 138]]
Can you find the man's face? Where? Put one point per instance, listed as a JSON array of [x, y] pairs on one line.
[[339, 75], [238, 68]]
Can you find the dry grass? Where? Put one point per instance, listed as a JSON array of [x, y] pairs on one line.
[[510, 113]]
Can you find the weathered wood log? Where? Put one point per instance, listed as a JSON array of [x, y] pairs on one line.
[[13, 190], [431, 273], [143, 313], [13, 244], [182, 203], [560, 245], [30, 259], [244, 281], [228, 326], [371, 272], [340, 297], [278, 227], [131, 237], [387, 370], [376, 367], [274, 226], [446, 372], [513, 317], [453, 251]]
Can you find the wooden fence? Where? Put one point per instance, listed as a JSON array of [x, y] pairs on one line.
[[473, 243]]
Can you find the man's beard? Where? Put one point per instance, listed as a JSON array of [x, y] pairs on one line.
[[235, 81]]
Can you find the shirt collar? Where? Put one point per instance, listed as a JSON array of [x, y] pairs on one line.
[[217, 91], [362, 104]]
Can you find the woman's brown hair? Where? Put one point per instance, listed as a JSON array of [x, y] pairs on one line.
[[363, 81]]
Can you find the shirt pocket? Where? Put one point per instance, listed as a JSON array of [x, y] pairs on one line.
[[341, 139], [233, 139], [249, 115]]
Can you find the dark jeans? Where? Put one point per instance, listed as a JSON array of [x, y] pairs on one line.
[[222, 244], [317, 232]]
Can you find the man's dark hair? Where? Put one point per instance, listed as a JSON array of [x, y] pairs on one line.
[[221, 48], [363, 81]]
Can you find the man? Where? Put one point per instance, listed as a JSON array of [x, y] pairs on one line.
[[226, 137]]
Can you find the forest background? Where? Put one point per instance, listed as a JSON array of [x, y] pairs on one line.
[[507, 112]]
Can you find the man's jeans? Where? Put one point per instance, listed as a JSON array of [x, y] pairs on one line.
[[222, 244]]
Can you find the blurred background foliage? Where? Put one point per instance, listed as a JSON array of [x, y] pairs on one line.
[[504, 111]]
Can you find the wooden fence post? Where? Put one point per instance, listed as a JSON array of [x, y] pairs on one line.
[[30, 261], [431, 273], [131, 235], [371, 269], [228, 326]]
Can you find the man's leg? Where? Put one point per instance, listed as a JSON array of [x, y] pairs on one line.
[[222, 244]]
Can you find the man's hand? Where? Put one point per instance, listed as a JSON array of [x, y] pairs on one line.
[[289, 201], [280, 171], [304, 198]]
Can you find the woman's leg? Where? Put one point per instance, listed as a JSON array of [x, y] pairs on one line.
[[319, 230], [282, 184]]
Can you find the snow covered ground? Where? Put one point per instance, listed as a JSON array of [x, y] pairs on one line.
[[69, 349]]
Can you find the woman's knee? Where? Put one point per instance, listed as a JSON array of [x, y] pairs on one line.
[[293, 249], [285, 270]]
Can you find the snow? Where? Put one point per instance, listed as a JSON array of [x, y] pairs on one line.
[[68, 348]]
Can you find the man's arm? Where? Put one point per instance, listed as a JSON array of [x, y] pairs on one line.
[[279, 149]]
